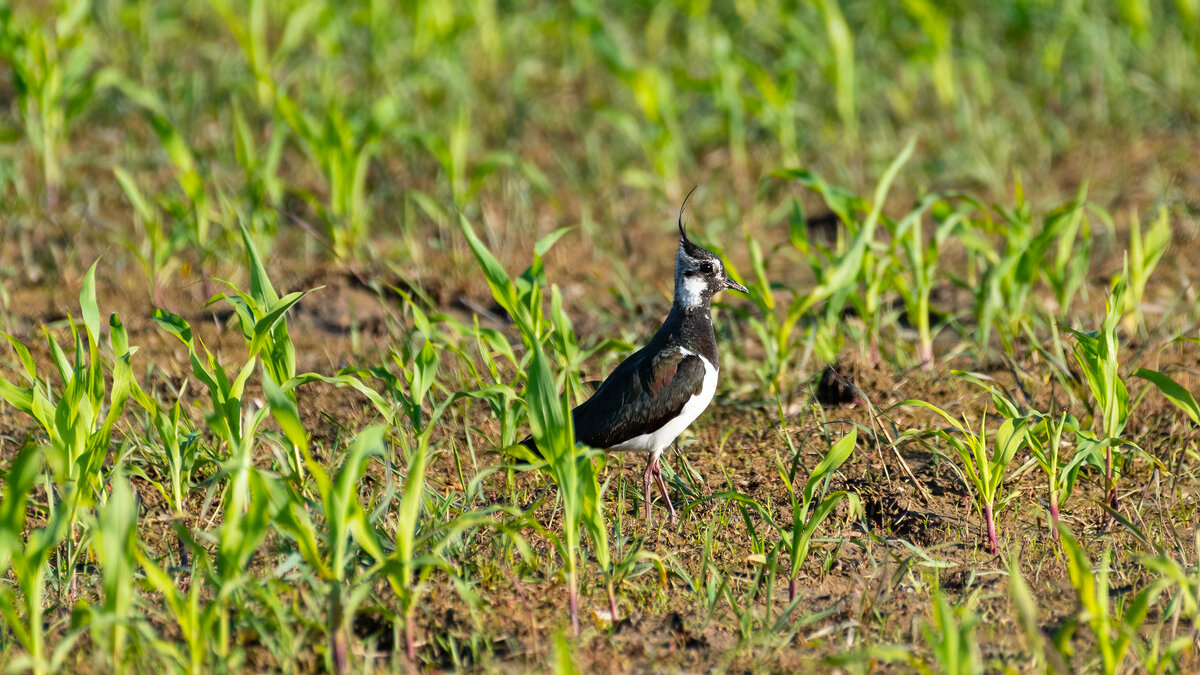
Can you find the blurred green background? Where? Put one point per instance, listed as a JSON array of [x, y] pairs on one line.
[[360, 127]]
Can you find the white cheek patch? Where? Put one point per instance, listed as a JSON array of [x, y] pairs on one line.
[[693, 291]]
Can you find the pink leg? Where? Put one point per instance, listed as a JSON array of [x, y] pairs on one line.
[[646, 477], [662, 488]]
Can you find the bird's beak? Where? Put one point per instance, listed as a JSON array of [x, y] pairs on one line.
[[733, 285]]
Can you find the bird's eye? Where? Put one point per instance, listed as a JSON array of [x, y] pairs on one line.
[[706, 267]]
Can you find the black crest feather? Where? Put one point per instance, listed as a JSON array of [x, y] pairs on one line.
[[697, 252], [682, 231]]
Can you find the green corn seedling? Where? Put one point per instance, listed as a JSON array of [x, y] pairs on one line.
[[421, 539], [342, 149], [340, 145], [841, 41], [51, 63], [27, 554], [552, 429], [811, 506], [196, 209], [916, 267], [406, 571], [115, 542], [1182, 583], [1145, 251], [550, 418], [797, 540], [1045, 443], [1010, 271], [1114, 631], [249, 26], [248, 494], [158, 249], [264, 186], [1045, 440], [195, 618], [982, 463], [1096, 353], [951, 636], [78, 420], [938, 27], [1072, 251], [180, 450], [837, 270], [344, 518]]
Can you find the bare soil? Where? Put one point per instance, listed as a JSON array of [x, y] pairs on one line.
[[865, 585]]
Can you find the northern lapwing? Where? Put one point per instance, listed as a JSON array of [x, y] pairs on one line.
[[652, 396]]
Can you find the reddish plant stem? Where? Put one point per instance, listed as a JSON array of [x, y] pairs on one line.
[[925, 355], [1054, 517], [991, 528], [791, 589]]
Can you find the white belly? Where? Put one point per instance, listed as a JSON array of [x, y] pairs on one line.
[[655, 442]]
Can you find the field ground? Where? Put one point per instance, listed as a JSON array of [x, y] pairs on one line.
[[336, 490]]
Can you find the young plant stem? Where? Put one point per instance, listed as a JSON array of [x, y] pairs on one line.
[[1108, 477], [573, 599], [991, 528], [410, 636], [337, 629], [1053, 516], [36, 630], [184, 560], [223, 633], [925, 353]]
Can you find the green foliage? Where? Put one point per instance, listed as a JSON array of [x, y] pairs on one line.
[[806, 520], [1145, 250], [1175, 393], [27, 555], [78, 422], [1182, 583], [158, 249], [1026, 609], [1045, 443], [1096, 352], [916, 264], [115, 542], [550, 420], [1115, 629], [951, 637], [843, 272], [811, 505], [51, 60], [983, 465]]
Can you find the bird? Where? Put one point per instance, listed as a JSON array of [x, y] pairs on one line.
[[648, 400]]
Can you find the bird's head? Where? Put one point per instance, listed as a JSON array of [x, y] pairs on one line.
[[699, 273]]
